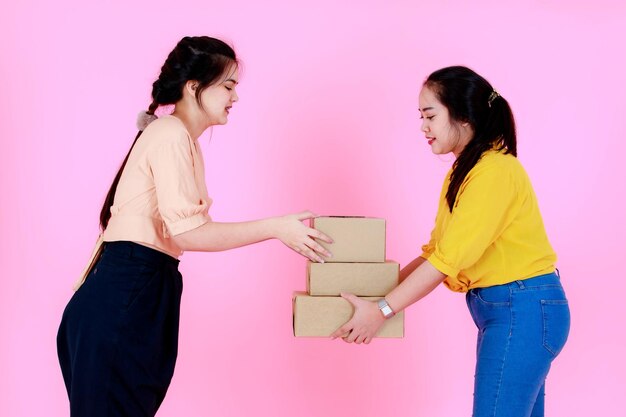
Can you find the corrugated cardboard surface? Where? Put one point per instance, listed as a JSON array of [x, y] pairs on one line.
[[356, 239], [362, 279], [321, 316]]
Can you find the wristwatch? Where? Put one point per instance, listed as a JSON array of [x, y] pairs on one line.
[[385, 309]]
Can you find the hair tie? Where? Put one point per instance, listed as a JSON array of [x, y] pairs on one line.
[[144, 119], [494, 95]]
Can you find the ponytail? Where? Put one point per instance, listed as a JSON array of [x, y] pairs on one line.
[[105, 212], [470, 98], [498, 133]]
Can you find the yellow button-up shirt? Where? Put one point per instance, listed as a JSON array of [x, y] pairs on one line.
[[495, 233]]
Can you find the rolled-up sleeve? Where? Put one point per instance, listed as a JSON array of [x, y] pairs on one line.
[[180, 202], [484, 208]]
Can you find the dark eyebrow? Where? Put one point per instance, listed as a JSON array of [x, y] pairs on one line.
[[231, 80], [426, 108]]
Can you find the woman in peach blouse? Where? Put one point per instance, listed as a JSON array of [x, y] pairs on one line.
[[118, 339]]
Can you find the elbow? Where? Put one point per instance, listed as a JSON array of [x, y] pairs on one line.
[[202, 238], [183, 242]]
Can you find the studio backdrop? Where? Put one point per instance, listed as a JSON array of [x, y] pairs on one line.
[[327, 121]]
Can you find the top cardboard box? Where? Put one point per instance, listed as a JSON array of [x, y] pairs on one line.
[[356, 239]]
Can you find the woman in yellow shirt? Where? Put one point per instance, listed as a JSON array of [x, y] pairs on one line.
[[488, 242]]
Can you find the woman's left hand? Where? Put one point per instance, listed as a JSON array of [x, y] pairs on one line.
[[365, 321]]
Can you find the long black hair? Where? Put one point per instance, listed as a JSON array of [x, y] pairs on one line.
[[199, 58], [470, 98]]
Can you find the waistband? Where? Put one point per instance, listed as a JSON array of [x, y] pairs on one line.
[[553, 278], [132, 250]]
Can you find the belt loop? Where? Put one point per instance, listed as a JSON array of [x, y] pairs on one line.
[[521, 284], [558, 273]]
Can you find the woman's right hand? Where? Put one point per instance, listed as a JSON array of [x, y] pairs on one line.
[[299, 237]]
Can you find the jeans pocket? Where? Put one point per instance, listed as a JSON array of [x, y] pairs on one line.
[[556, 323], [496, 296]]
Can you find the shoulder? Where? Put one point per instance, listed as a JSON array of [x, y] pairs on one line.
[[495, 162], [496, 169], [166, 130]]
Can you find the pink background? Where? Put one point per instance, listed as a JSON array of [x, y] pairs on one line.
[[327, 121]]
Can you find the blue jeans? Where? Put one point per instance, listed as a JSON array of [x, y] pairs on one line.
[[522, 327]]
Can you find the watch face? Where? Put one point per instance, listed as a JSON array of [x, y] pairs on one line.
[[384, 308]]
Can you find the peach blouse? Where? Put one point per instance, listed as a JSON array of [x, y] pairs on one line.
[[162, 191]]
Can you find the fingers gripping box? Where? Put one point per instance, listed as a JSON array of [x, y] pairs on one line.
[[321, 316]]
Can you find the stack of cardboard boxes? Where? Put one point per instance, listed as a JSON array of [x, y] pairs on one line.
[[358, 266]]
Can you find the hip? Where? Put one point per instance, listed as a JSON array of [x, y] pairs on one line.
[[125, 272], [535, 310]]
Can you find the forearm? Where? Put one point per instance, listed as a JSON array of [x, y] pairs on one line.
[[419, 283], [412, 266], [214, 236]]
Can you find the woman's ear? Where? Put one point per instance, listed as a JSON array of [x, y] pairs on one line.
[[190, 87], [468, 128]]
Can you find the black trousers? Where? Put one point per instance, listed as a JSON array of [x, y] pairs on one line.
[[118, 338]]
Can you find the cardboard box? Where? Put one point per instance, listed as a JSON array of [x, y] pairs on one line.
[[362, 279], [321, 316], [356, 239]]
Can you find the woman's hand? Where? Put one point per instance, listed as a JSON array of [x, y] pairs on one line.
[[365, 321], [299, 237], [422, 278]]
